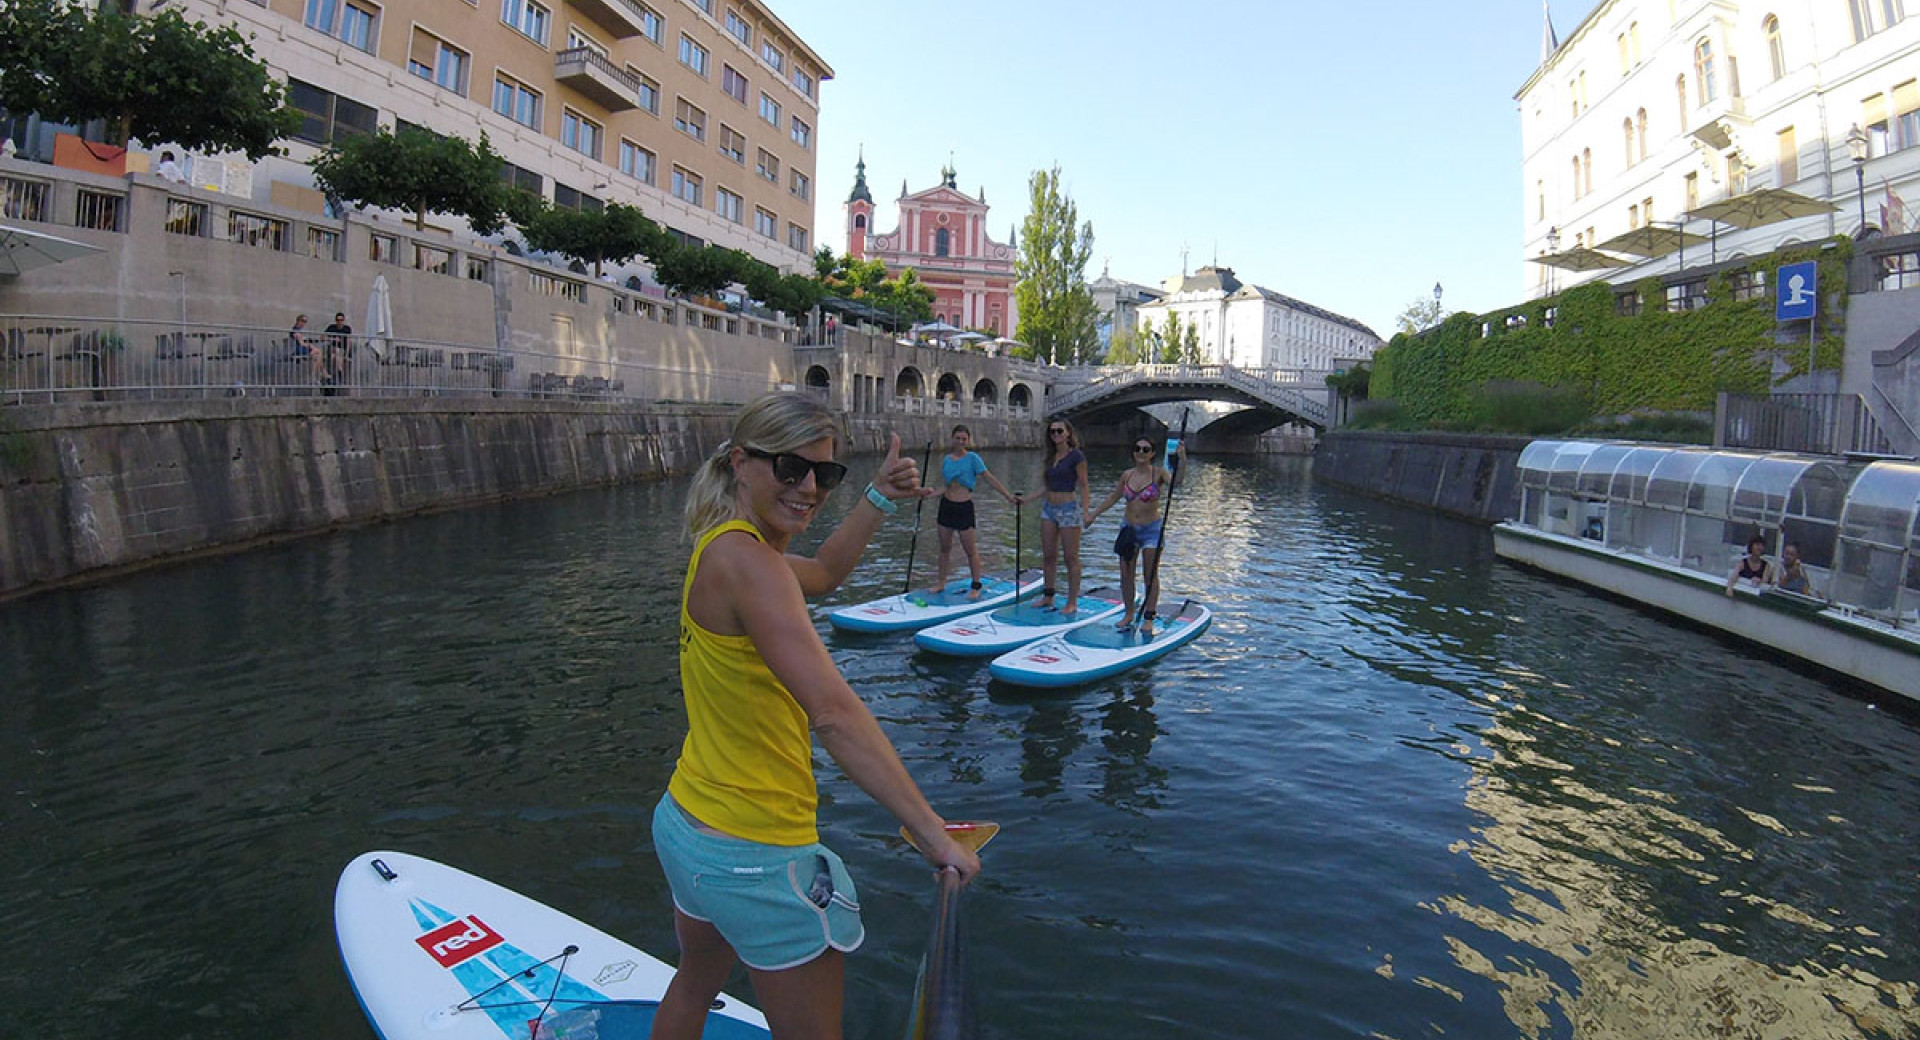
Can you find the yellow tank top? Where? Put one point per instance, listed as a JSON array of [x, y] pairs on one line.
[[746, 767]]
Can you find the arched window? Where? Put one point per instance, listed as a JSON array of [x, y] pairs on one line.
[[942, 242], [1640, 127], [1576, 177], [1776, 51], [1626, 131], [1540, 189], [1586, 163], [1703, 71], [859, 221], [1680, 95]]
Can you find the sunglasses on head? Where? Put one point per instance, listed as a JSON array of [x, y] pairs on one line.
[[789, 468]]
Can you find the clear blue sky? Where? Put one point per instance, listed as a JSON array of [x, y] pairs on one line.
[[1349, 155]]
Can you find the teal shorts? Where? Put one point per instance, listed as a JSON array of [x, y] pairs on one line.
[[778, 906]]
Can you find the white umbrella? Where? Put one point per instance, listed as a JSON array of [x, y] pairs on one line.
[[379, 327], [22, 250], [970, 337], [936, 328]]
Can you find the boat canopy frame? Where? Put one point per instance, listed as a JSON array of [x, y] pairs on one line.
[[1855, 522]]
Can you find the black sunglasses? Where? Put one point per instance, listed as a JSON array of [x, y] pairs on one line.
[[1148, 448], [792, 469], [1056, 429]]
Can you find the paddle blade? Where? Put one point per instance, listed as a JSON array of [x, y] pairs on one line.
[[974, 834]]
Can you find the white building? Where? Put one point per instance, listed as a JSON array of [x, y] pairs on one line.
[[1118, 301], [1653, 108], [1251, 327]]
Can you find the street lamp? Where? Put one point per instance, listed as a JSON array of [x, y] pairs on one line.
[[1553, 248], [1436, 304], [1857, 147]]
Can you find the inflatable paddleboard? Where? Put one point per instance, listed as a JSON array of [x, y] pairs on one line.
[[434, 952], [997, 631], [1093, 652], [920, 608]]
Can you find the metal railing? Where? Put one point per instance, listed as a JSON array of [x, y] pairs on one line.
[[53, 359], [1820, 424], [962, 409], [594, 59]]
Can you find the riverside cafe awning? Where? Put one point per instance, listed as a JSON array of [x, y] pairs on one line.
[[1857, 523]]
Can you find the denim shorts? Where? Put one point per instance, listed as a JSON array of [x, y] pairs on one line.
[[778, 906], [1066, 514]]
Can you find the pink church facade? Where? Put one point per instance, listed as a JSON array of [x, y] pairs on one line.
[[942, 235]]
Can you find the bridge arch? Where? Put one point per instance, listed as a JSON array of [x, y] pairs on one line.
[[818, 378]]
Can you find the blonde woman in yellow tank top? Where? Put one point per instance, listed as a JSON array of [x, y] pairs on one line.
[[735, 831]]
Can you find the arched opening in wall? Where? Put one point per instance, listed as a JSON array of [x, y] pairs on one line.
[[948, 389], [1018, 396], [818, 379], [909, 383], [859, 221], [984, 392]]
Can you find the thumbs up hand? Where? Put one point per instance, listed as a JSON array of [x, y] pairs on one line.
[[898, 477]]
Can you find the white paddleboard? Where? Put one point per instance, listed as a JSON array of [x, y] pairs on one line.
[[920, 608], [434, 952], [1092, 652], [1017, 624]]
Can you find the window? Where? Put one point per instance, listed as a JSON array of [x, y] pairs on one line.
[[516, 100], [1586, 171], [942, 243], [566, 197], [1626, 65], [705, 5], [1703, 71], [479, 268], [1646, 209], [733, 83], [733, 144], [766, 223], [1540, 193], [692, 55], [383, 249], [437, 61], [577, 40], [1789, 164], [1640, 128], [1626, 129], [1693, 192], [768, 166], [687, 185], [323, 243], [1633, 216], [1633, 35], [728, 205], [1749, 285], [802, 133], [636, 162], [326, 116], [432, 259], [802, 82], [649, 90], [770, 110], [1871, 16], [1906, 118], [522, 178], [689, 120], [1874, 118], [528, 17], [350, 22], [738, 28], [772, 56], [1576, 178], [186, 218], [1573, 100], [801, 185], [579, 133], [1776, 51], [797, 237], [650, 22], [252, 230], [1680, 95]]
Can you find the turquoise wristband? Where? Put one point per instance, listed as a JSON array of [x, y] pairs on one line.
[[880, 501]]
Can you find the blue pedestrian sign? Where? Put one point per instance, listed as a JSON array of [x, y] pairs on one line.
[[1796, 291]]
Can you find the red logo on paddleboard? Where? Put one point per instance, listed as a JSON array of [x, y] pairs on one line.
[[456, 942], [1043, 659]]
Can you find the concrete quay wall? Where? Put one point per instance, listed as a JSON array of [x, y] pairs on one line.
[[92, 490], [1470, 476]]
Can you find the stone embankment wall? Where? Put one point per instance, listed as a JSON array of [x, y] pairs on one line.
[[88, 491], [1464, 475]]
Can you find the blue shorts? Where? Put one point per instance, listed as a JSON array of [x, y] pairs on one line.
[[778, 906], [1135, 537], [1066, 514]]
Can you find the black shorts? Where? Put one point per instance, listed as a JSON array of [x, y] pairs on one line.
[[956, 516]]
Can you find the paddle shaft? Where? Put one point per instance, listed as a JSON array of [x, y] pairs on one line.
[[942, 1004], [918, 507], [1166, 522]]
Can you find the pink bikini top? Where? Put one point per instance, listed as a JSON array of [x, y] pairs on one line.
[[1145, 494]]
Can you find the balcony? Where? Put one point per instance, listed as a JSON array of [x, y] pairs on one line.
[[1715, 123], [622, 18], [591, 74]]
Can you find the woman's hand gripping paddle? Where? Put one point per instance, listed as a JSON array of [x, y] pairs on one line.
[[942, 1004]]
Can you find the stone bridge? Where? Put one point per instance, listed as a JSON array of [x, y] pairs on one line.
[[1104, 402]]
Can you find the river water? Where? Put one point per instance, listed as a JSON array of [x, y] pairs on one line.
[[1399, 790]]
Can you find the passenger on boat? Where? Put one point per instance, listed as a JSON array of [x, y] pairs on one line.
[[1753, 567], [1790, 575]]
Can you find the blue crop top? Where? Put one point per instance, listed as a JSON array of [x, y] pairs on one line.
[[964, 471], [1065, 474]]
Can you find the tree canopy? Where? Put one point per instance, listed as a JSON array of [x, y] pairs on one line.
[[1176, 343], [616, 233], [421, 172], [159, 78], [1058, 318], [1423, 313]]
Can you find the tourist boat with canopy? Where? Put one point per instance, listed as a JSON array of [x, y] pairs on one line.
[[1665, 525]]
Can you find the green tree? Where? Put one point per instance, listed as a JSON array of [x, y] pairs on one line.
[[698, 270], [906, 297], [1058, 318], [158, 78], [1422, 314], [616, 233], [421, 172], [825, 263], [1179, 343], [1129, 347]]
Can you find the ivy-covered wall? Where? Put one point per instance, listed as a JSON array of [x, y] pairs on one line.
[[1655, 359]]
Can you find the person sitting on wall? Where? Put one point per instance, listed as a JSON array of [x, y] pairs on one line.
[[169, 169], [1752, 567], [1791, 575]]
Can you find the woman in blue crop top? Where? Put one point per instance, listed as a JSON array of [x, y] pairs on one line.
[[960, 470], [1066, 502]]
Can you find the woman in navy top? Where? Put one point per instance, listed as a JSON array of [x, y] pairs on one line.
[[960, 470], [1067, 502]]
